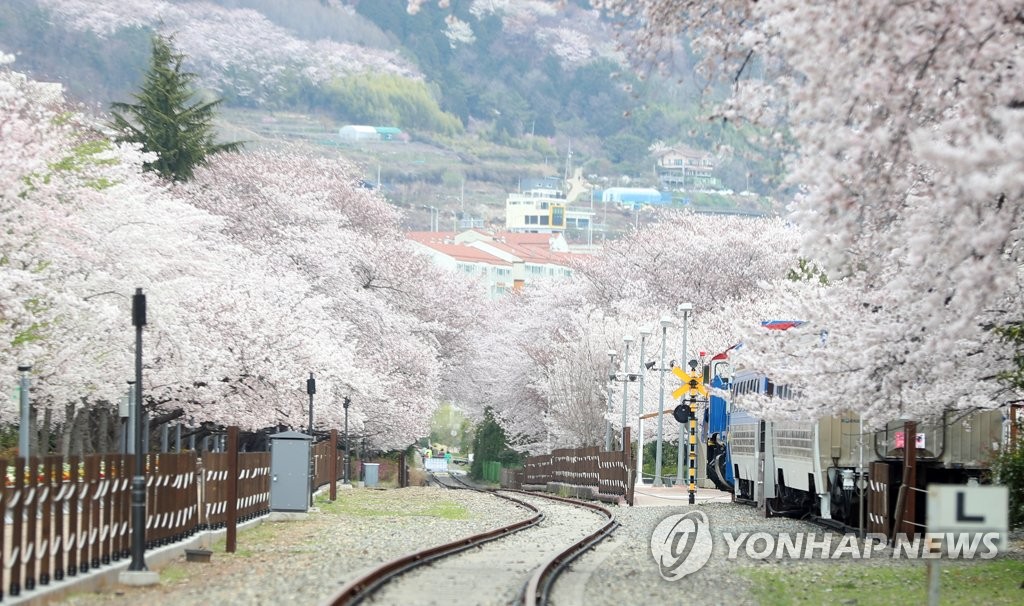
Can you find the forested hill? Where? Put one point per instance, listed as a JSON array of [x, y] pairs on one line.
[[497, 69]]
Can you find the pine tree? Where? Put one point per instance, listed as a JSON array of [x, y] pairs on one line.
[[488, 444], [167, 120]]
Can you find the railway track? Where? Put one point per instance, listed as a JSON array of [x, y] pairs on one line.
[[513, 564]]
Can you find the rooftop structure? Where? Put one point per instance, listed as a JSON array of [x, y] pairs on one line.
[[545, 209]]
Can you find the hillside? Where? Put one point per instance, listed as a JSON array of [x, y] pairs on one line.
[[487, 93]]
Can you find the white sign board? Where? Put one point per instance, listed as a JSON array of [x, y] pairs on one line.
[[969, 509]]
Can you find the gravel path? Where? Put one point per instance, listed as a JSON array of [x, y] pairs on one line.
[[623, 570], [306, 562]]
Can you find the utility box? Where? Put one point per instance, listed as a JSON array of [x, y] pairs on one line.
[[289, 471], [370, 474]]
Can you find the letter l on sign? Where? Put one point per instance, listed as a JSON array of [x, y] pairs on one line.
[[955, 508]]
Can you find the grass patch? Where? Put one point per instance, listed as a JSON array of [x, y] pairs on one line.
[[173, 574], [448, 510], [989, 583], [371, 504]]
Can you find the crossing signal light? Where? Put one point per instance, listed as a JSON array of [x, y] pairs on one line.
[[681, 413]]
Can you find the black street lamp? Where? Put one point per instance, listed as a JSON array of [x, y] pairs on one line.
[[346, 405], [139, 479], [311, 389]]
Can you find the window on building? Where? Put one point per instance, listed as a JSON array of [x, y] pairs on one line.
[[543, 219], [531, 219]]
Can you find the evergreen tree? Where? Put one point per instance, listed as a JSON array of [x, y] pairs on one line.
[[167, 120], [488, 444]]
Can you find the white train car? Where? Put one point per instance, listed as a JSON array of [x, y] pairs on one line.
[[821, 467]]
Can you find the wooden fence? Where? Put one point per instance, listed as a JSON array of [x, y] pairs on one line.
[[69, 516], [328, 461], [65, 516], [606, 474]]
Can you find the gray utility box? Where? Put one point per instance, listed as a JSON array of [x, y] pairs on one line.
[[289, 471], [370, 474]]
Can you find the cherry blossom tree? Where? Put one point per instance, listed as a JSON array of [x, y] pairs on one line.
[[267, 267], [399, 318], [542, 365], [907, 134], [237, 50]]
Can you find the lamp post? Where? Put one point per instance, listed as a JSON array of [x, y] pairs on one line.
[[346, 405], [665, 323], [310, 389], [683, 362], [435, 216], [625, 367], [23, 429], [139, 479], [608, 421], [644, 333], [124, 411]]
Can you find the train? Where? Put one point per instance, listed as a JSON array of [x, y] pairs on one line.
[[833, 469]]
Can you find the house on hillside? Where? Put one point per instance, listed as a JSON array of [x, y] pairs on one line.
[[544, 207], [500, 261], [684, 168]]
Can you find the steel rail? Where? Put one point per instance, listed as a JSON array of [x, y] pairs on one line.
[[539, 585], [360, 588]]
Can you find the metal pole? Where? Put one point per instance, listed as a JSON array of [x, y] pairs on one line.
[[934, 580], [861, 482], [625, 384], [684, 364], [310, 389], [177, 438], [608, 421], [347, 402], [661, 409], [23, 430], [640, 420], [139, 480], [131, 418]]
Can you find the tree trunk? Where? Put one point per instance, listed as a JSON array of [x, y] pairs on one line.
[[103, 443], [65, 431], [45, 433], [79, 429]]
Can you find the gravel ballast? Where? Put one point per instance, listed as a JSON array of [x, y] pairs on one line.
[[307, 561]]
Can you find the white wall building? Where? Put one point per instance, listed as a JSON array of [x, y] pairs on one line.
[[500, 261]]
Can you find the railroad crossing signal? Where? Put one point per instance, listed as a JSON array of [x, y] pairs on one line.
[[693, 384]]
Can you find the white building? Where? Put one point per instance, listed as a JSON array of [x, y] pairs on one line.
[[358, 132], [546, 210], [501, 261]]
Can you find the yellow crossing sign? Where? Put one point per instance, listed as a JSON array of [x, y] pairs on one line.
[[693, 384]]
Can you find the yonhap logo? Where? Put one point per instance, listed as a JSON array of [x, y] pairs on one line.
[[681, 544]]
